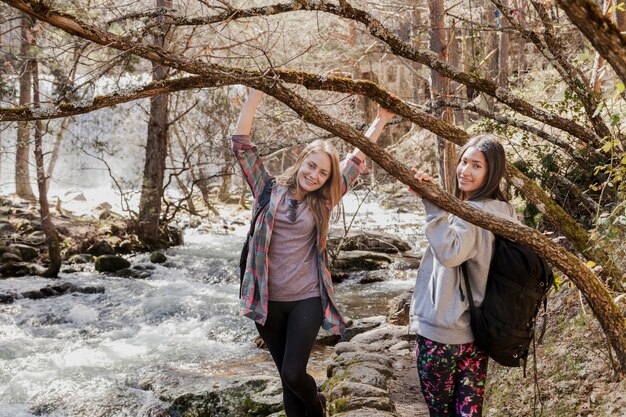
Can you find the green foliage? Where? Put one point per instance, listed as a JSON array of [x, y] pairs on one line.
[[610, 222]]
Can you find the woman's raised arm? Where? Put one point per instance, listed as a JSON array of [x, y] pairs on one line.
[[375, 129], [244, 122]]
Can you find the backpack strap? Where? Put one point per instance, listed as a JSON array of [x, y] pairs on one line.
[[263, 199], [467, 286]]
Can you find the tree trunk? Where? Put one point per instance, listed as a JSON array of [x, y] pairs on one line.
[[57, 146], [503, 52], [23, 188], [148, 221], [54, 247], [440, 88], [620, 18], [456, 89]]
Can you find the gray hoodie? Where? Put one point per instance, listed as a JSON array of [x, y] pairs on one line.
[[439, 308]]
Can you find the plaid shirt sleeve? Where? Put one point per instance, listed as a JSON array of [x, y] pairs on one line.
[[351, 168], [247, 156]]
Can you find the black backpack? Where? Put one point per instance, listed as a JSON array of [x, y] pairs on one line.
[[518, 283], [263, 199]]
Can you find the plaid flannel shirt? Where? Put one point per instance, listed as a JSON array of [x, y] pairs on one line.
[[254, 286]]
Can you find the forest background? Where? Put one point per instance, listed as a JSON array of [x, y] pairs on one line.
[[547, 77]]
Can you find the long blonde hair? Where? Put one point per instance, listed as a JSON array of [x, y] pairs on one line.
[[321, 201]]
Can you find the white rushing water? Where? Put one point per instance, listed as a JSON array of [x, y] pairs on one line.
[[111, 354]]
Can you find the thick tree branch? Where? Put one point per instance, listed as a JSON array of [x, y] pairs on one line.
[[123, 96], [553, 212], [431, 60], [344, 10], [594, 291], [600, 31]]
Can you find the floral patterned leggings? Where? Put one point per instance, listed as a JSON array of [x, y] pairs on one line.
[[452, 377]]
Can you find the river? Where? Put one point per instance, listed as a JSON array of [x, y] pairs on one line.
[[107, 354]]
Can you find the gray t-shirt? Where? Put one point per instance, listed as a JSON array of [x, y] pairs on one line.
[[292, 259]]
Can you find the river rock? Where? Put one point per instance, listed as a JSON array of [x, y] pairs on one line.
[[73, 195], [358, 260], [365, 412], [7, 297], [110, 263], [10, 257], [369, 241], [371, 277], [17, 269], [398, 312], [101, 247], [6, 228], [80, 258], [360, 371], [157, 257], [60, 289], [27, 253], [361, 326], [254, 396], [175, 235]]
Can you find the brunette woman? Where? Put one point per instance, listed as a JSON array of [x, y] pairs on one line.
[[452, 371]]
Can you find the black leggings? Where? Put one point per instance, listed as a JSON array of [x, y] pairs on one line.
[[289, 333]]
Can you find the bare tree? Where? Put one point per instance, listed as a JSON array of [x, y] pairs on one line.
[[280, 77], [23, 187]]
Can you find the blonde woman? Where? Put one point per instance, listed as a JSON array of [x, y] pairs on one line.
[[287, 288]]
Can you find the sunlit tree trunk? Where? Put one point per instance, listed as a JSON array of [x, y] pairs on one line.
[[440, 88], [23, 187], [148, 221]]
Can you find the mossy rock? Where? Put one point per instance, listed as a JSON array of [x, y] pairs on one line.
[[157, 257], [111, 263]]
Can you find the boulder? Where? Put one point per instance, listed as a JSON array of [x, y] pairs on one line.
[[111, 263], [27, 253], [6, 228], [361, 326], [7, 297], [369, 241], [80, 258], [253, 396], [157, 257], [101, 247], [398, 312], [359, 260], [9, 257], [60, 289], [17, 269]]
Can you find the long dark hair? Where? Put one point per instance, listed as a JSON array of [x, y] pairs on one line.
[[496, 160]]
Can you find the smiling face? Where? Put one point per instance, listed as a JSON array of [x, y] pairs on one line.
[[471, 173], [314, 172]]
